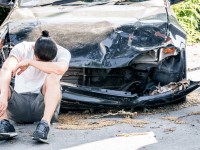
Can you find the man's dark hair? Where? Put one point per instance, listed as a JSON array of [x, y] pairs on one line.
[[45, 47]]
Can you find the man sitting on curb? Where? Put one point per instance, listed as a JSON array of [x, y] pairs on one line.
[[36, 96]]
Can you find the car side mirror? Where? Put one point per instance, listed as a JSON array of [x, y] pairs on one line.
[[6, 3], [175, 1]]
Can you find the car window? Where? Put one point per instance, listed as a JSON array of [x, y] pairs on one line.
[[59, 2]]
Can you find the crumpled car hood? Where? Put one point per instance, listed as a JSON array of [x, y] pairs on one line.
[[105, 36]]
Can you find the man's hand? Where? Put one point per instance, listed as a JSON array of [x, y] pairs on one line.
[[3, 107], [21, 67]]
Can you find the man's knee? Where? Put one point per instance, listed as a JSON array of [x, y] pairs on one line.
[[9, 93]]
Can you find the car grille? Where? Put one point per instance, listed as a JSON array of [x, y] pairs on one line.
[[104, 78]]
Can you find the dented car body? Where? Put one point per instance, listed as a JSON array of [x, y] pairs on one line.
[[124, 53]]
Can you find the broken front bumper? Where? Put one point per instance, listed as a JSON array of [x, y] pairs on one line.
[[96, 97]]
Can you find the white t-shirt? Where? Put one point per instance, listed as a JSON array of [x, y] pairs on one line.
[[32, 79]]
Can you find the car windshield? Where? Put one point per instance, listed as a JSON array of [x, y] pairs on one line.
[[67, 2]]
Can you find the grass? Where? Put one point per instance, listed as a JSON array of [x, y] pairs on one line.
[[188, 15]]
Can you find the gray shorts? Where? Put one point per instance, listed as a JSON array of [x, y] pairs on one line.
[[27, 107]]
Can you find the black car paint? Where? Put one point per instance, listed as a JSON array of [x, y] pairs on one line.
[[99, 98]]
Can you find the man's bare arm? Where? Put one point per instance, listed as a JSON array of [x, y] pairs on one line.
[[48, 67]]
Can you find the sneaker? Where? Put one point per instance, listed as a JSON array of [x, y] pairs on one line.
[[7, 130], [41, 132]]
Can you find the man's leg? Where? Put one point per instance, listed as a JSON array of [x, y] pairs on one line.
[[52, 96], [7, 130]]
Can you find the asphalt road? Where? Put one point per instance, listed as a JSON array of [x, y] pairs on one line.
[[163, 132]]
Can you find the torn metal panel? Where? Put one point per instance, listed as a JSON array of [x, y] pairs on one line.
[[174, 86]]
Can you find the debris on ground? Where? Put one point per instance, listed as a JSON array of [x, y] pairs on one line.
[[180, 122], [176, 120], [84, 125], [120, 113], [169, 130], [82, 121], [195, 113], [169, 118], [134, 122]]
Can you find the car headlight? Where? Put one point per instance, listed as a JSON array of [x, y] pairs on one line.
[[167, 51]]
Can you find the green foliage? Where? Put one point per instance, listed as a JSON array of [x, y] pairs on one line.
[[188, 15], [3, 14]]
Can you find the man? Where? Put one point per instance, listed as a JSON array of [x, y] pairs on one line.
[[38, 68]]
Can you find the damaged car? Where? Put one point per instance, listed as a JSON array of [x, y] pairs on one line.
[[125, 53]]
